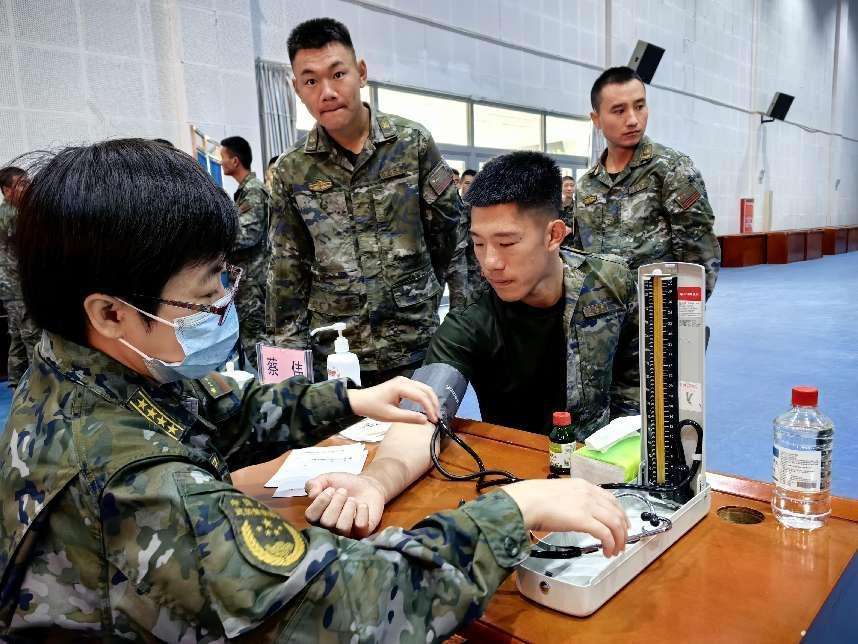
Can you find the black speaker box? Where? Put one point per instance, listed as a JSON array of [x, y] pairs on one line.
[[780, 106], [645, 60]]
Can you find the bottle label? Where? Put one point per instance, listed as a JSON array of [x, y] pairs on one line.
[[559, 454], [796, 470]]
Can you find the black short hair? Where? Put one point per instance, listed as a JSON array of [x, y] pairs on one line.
[[10, 174], [469, 173], [530, 180], [454, 171], [164, 142], [240, 148], [120, 217], [272, 160], [315, 34], [611, 76]]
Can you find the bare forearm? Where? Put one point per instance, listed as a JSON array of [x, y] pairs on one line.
[[402, 458]]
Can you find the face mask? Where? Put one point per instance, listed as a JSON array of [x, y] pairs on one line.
[[207, 345]]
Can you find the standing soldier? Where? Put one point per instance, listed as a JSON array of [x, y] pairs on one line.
[[642, 200], [365, 219], [23, 334], [252, 250]]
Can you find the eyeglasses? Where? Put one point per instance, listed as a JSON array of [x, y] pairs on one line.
[[230, 278]]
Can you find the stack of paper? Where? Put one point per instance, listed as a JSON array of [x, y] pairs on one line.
[[366, 431], [303, 464]]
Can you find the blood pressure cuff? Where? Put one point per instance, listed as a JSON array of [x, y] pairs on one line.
[[447, 383]]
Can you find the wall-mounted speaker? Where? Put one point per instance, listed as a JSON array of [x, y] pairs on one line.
[[780, 106], [645, 59]]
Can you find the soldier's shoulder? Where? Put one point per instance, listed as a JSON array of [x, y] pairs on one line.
[[402, 125], [666, 154]]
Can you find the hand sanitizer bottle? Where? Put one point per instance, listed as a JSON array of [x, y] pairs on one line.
[[342, 363]]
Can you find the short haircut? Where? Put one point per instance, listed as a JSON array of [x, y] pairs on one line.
[[10, 175], [272, 160], [454, 171], [531, 180], [611, 76], [239, 147], [469, 173], [568, 178], [164, 142], [95, 220], [315, 34]]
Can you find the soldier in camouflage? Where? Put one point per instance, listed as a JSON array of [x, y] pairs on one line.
[[252, 250], [23, 334], [119, 519], [557, 330], [642, 200], [365, 219]]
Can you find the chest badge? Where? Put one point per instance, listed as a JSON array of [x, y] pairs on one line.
[[590, 200], [320, 185]]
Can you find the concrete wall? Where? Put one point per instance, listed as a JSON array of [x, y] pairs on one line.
[[88, 69]]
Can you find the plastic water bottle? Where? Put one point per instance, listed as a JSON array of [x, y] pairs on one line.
[[802, 463]]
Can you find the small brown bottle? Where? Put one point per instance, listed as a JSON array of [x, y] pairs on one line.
[[561, 443]]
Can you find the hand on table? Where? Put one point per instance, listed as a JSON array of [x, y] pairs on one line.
[[347, 504]]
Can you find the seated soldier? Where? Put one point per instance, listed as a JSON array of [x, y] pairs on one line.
[[558, 330], [119, 517]]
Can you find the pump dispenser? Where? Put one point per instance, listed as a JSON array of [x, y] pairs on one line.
[[342, 363]]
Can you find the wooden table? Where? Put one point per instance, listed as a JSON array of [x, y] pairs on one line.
[[785, 246], [721, 582], [743, 250], [835, 241], [813, 243]]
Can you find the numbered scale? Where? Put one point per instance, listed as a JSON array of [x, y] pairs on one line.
[[672, 480]]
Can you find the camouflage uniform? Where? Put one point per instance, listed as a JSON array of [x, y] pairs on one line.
[[600, 320], [119, 520], [475, 283], [368, 245], [252, 252], [656, 210], [567, 214], [23, 334]]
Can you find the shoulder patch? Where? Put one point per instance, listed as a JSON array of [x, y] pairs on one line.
[[440, 177], [143, 405], [216, 385], [245, 207], [687, 197], [320, 185], [263, 537], [589, 200]]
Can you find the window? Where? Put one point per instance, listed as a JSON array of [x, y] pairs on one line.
[[445, 118], [506, 129], [456, 164], [304, 121], [567, 136]]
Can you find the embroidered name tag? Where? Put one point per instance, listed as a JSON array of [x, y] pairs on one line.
[[598, 308], [590, 200], [640, 185]]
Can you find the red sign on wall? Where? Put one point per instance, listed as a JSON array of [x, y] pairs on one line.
[[746, 215]]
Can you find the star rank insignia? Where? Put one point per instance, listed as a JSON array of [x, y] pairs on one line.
[[143, 405], [263, 537]]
